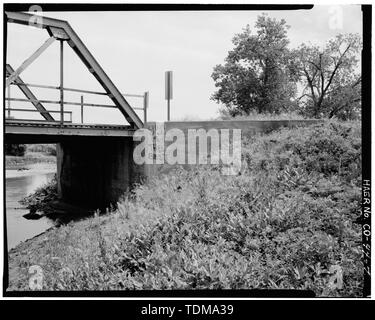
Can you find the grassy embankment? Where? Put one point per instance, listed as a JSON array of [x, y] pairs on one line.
[[35, 154], [288, 221]]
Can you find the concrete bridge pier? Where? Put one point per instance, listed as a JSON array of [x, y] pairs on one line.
[[94, 172]]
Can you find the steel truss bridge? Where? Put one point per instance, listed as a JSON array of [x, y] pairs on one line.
[[49, 129]]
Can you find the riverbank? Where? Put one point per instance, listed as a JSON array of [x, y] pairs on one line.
[[29, 159], [38, 159], [18, 185], [79, 239], [23, 175], [30, 169]]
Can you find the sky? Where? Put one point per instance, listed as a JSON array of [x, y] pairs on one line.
[[136, 48]]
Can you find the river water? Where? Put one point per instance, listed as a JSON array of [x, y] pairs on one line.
[[19, 184]]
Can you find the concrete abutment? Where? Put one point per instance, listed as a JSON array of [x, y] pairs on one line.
[[94, 172]]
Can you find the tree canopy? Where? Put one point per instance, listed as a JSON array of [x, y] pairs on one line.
[[332, 82], [262, 74], [256, 74]]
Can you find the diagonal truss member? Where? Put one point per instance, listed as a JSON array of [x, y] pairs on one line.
[[28, 93], [61, 30]]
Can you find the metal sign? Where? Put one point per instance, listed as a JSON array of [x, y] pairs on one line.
[[168, 85], [168, 91]]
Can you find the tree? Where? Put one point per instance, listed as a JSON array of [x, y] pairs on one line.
[[258, 74], [15, 149], [332, 83]]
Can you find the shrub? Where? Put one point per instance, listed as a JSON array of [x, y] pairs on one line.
[[41, 197], [225, 115], [15, 149], [327, 148], [48, 149]]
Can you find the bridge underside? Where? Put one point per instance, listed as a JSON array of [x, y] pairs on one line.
[[52, 132], [94, 173]]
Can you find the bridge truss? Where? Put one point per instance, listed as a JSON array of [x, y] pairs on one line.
[[61, 31]]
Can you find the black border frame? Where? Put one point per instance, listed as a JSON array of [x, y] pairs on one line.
[[366, 137]]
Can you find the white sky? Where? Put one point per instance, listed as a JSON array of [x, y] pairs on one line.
[[136, 48]]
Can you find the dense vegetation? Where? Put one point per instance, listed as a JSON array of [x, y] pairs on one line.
[[289, 220], [15, 149], [48, 149], [42, 196], [21, 155]]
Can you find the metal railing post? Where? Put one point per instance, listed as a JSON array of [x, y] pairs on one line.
[[61, 82], [9, 101], [81, 108], [145, 106]]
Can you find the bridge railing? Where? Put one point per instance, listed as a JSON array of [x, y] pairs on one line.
[[81, 103], [8, 110]]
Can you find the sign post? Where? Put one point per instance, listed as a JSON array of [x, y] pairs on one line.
[[168, 91]]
